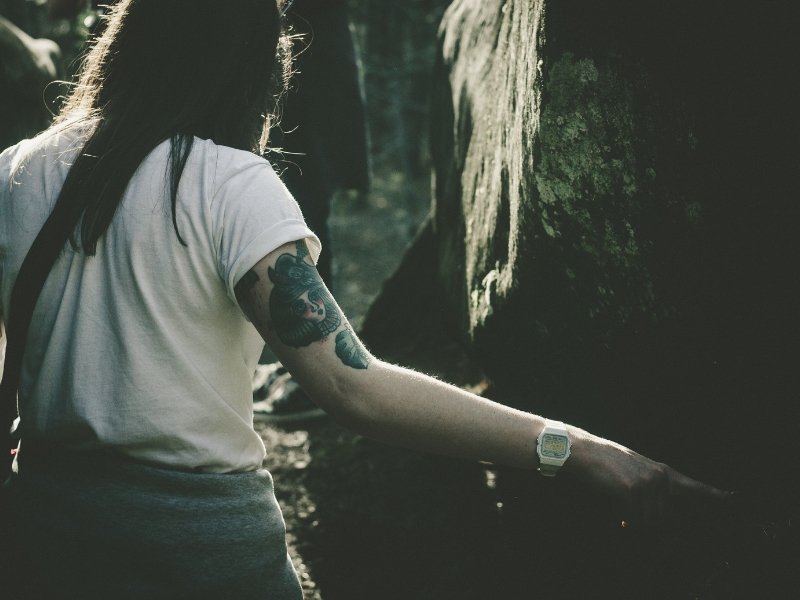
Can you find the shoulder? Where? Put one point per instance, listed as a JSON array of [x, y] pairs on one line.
[[232, 158], [225, 165], [12, 161], [236, 175], [9, 157], [49, 147]]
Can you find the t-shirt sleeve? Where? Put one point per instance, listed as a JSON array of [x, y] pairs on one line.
[[253, 214]]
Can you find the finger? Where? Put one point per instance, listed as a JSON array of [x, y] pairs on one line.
[[691, 488], [662, 496]]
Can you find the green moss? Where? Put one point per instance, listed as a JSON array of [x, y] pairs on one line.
[[598, 190]]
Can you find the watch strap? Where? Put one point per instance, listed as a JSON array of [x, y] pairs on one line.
[[548, 470]]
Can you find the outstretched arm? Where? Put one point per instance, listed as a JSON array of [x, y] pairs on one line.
[[286, 300]]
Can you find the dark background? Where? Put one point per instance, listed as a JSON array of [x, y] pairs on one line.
[[713, 391]]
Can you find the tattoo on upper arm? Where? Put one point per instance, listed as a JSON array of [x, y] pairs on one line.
[[303, 311], [301, 308]]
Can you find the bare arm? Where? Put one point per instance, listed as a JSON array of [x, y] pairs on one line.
[[286, 300]]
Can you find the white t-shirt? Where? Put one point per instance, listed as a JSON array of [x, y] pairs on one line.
[[143, 346]]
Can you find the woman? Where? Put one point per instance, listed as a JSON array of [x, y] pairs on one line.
[[138, 474]]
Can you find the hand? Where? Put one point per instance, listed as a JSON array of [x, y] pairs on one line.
[[645, 488]]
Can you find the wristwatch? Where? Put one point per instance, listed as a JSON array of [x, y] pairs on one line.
[[552, 446]]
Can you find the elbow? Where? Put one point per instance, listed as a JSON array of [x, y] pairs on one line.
[[347, 417], [347, 405]]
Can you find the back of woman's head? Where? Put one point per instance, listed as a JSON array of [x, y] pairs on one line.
[[169, 70], [203, 67]]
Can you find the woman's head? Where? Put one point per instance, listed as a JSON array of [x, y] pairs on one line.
[[168, 70], [198, 67]]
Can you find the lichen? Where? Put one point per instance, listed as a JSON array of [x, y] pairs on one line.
[[597, 181]]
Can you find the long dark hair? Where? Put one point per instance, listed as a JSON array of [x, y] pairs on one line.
[[168, 70]]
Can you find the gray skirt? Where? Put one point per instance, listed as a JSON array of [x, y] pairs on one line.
[[95, 525]]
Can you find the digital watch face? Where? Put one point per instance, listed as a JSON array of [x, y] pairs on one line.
[[554, 446]]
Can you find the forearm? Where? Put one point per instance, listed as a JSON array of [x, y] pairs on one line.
[[404, 408], [400, 407]]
